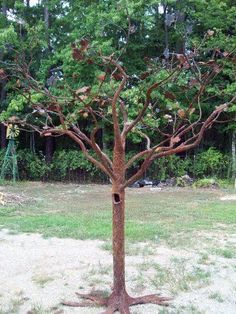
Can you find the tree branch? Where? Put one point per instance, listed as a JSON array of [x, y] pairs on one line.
[[184, 146], [129, 126], [116, 127]]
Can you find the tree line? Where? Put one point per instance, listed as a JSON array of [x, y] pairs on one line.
[[142, 35]]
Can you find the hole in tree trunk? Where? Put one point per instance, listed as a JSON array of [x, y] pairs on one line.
[[116, 198]]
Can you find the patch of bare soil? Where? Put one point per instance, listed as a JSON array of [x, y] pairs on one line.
[[36, 274], [13, 199]]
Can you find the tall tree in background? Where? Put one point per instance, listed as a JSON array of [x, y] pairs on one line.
[[233, 151], [49, 144], [3, 81]]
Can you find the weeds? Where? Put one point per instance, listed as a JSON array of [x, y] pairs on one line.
[[97, 274], [224, 252], [216, 296], [178, 278], [39, 309], [13, 307], [42, 280], [181, 310]]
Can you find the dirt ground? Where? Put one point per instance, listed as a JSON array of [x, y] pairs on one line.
[[36, 274]]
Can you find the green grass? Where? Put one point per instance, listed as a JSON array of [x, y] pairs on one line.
[[13, 307], [39, 309], [225, 252], [216, 296], [84, 212], [178, 278], [42, 280], [191, 309], [79, 227]]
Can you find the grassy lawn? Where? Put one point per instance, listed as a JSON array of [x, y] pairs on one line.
[[180, 241], [84, 212]]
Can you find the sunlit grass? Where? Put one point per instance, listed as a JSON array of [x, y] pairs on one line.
[[84, 212]]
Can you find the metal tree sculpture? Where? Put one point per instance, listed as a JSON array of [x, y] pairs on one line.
[[181, 133]]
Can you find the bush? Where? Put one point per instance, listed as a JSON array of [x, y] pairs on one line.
[[211, 163], [32, 166], [169, 167], [206, 183], [71, 165], [212, 183], [64, 163], [68, 161]]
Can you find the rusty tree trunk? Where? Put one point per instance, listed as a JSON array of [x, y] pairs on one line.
[[118, 239], [118, 222]]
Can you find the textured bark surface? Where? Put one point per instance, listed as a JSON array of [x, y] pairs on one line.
[[118, 239], [117, 302]]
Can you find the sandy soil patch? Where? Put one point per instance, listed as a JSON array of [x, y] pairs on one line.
[[36, 274], [231, 197]]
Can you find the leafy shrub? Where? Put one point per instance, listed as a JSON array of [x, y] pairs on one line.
[[65, 161], [32, 166], [211, 163], [168, 167], [205, 183], [212, 182], [71, 165]]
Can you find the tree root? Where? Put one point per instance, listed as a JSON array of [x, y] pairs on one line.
[[117, 302], [94, 299]]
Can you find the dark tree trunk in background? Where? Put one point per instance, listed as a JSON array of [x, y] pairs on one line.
[[32, 142], [49, 149], [181, 43], [3, 136], [2, 100], [166, 52], [3, 127], [4, 7], [47, 23], [234, 155], [103, 135], [2, 88], [49, 139]]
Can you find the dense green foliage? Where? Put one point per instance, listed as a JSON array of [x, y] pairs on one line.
[[138, 32], [70, 165]]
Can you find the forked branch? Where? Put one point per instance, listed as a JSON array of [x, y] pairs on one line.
[[176, 147]]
